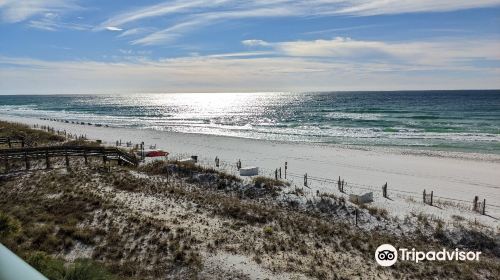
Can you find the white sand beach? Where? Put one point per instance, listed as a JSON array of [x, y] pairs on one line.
[[455, 178]]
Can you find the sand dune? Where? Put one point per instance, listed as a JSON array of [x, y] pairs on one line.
[[454, 177]]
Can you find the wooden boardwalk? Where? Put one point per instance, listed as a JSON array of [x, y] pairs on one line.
[[28, 154], [12, 140]]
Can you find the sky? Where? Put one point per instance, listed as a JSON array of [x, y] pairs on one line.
[[104, 46]]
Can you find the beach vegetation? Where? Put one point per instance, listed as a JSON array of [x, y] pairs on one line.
[[9, 226], [160, 167], [32, 136], [142, 224], [57, 269], [266, 182], [268, 230]]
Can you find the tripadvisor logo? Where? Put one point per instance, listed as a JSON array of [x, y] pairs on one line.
[[387, 255]]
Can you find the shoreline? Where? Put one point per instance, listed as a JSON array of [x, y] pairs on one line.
[[398, 150], [451, 176]]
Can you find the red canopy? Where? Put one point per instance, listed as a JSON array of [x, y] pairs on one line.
[[158, 153]]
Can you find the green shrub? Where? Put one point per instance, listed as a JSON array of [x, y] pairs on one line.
[[50, 267], [268, 230], [268, 182], [86, 270], [55, 269], [8, 226]]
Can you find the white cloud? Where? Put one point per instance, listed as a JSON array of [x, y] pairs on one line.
[[379, 7], [173, 32], [255, 43], [19, 10], [52, 22], [135, 31], [157, 10], [253, 71], [166, 35], [430, 53], [113, 28], [187, 15]]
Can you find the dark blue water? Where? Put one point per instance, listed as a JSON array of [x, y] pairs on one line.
[[442, 120]]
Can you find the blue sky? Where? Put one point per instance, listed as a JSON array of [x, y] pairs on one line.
[[71, 46]]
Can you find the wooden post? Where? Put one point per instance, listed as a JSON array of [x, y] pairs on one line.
[[484, 206], [356, 216], [432, 195], [286, 167], [305, 180], [276, 174], [27, 161], [474, 203], [338, 183], [66, 158], [424, 196], [167, 175], [280, 172], [142, 150], [47, 161]]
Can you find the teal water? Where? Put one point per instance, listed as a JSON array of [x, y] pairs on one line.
[[439, 120]]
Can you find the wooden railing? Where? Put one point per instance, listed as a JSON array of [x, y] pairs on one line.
[[28, 154], [12, 140]]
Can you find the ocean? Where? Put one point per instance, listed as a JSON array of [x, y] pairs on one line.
[[437, 120]]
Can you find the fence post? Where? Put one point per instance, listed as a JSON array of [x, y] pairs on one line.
[[27, 161], [424, 196], [484, 206], [276, 174], [474, 203], [286, 167], [280, 172], [432, 195], [66, 157], [167, 174], [142, 151], [85, 156], [356, 214], [47, 161], [305, 180], [338, 184]]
